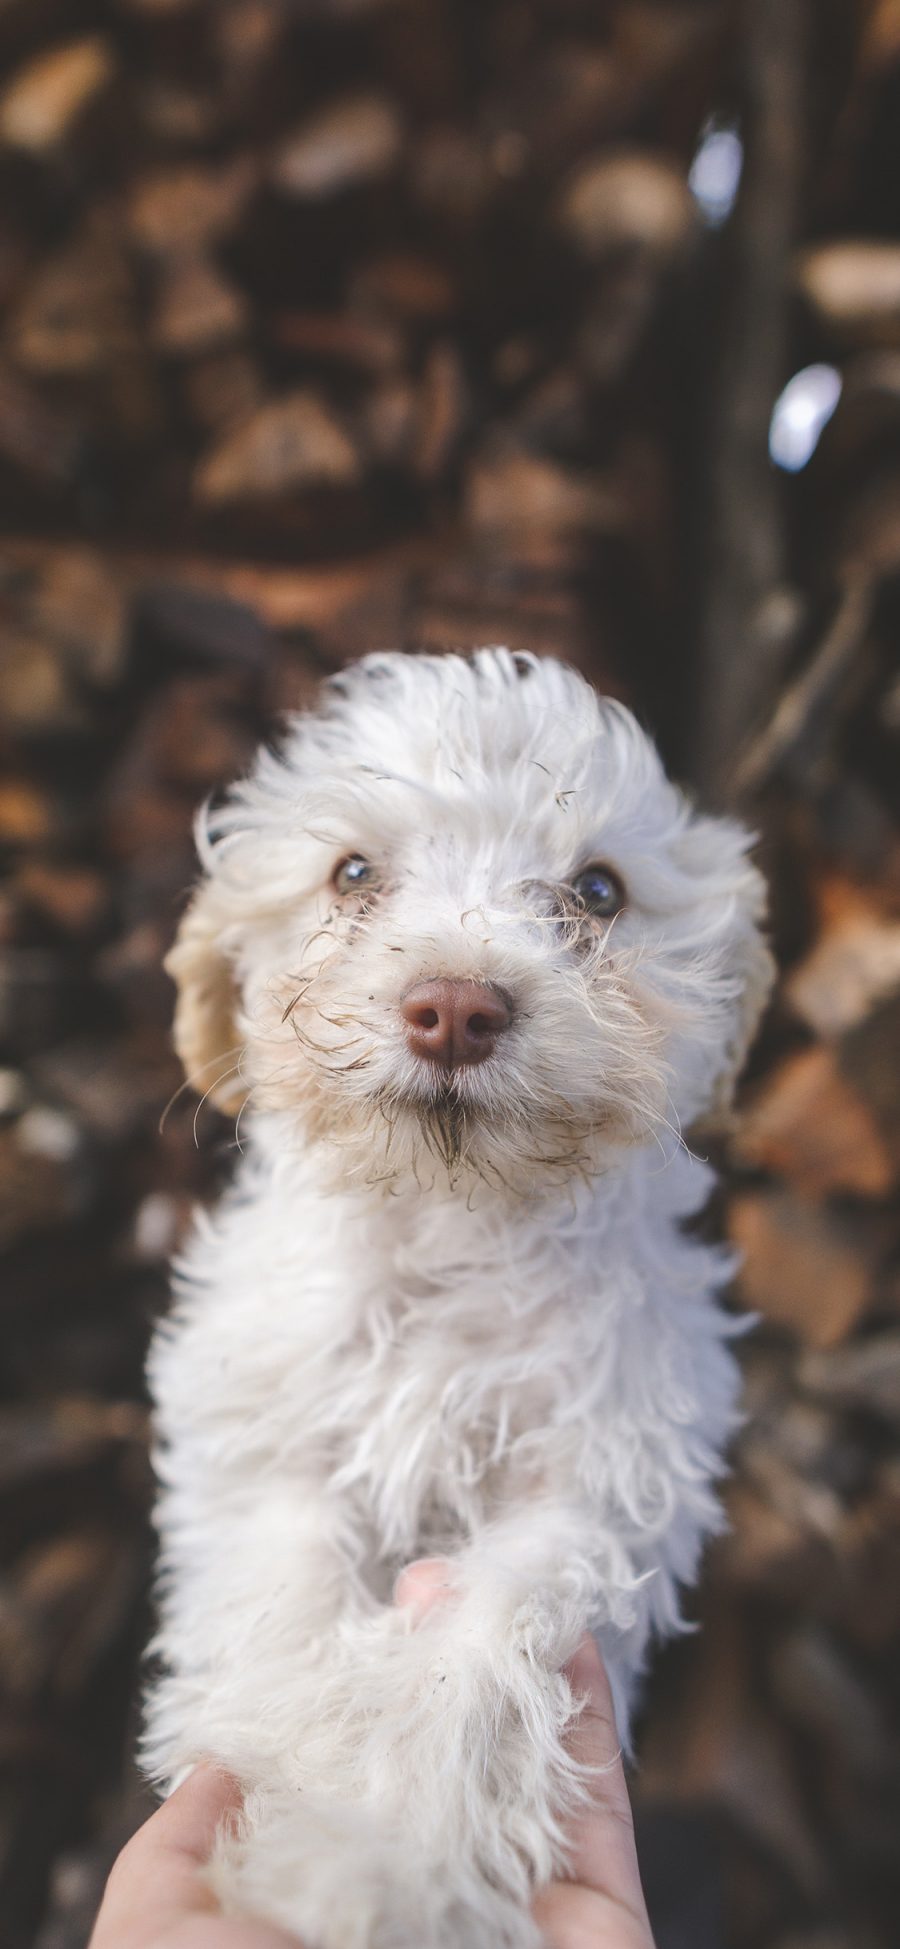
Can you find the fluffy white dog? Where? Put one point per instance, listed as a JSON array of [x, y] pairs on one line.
[[467, 964]]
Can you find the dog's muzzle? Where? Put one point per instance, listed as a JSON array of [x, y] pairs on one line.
[[454, 1023]]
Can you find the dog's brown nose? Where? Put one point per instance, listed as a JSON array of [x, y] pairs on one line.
[[454, 1022]]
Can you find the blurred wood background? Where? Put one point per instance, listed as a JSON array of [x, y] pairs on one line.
[[334, 324]]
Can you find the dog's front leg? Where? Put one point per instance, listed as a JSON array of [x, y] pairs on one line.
[[476, 1703], [448, 1728], [254, 1590], [544, 1573]]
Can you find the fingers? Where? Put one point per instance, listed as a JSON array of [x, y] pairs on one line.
[[158, 1874], [594, 1740], [184, 1827], [423, 1584], [578, 1918], [157, 1894], [604, 1856], [606, 1910]]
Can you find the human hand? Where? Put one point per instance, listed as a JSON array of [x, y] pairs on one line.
[[602, 1906], [157, 1896]]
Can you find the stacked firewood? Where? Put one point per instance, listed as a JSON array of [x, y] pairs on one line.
[[334, 324]]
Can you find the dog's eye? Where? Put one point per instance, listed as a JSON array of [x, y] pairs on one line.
[[353, 873], [600, 890]]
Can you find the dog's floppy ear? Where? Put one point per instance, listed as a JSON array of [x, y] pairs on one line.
[[716, 851], [205, 1030]]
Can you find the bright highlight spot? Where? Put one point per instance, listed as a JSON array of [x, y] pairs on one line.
[[800, 413], [715, 173]]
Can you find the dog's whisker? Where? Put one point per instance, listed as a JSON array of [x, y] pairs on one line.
[[300, 996], [237, 1122], [191, 1081], [233, 1070]]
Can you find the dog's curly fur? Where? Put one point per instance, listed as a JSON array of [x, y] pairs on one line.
[[457, 1315]]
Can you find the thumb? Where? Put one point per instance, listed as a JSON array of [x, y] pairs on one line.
[[605, 1908], [159, 1881]]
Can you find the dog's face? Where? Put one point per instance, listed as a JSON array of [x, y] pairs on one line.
[[461, 926]]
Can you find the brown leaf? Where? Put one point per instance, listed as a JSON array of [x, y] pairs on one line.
[[46, 98], [801, 1267], [768, 1549], [350, 142], [853, 964], [854, 287], [515, 490], [189, 207], [808, 1123], [36, 693], [78, 599], [76, 314], [25, 814], [881, 36], [627, 198], [293, 442], [72, 897], [197, 308]]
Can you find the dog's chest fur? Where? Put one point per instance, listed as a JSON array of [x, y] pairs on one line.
[[436, 1366]]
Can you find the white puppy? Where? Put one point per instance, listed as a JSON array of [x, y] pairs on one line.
[[467, 964]]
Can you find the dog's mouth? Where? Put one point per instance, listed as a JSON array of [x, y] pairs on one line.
[[466, 1139], [444, 1101], [446, 1129], [445, 1121]]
